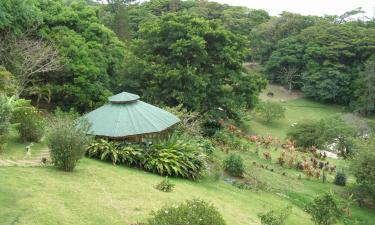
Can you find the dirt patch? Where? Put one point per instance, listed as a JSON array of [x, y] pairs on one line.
[[279, 94]]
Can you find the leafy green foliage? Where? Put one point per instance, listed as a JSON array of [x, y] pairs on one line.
[[182, 59], [340, 178], [363, 165], [67, 141], [210, 127], [165, 185], [325, 209], [265, 37], [93, 51], [5, 116], [169, 158], [176, 159], [29, 119], [275, 217], [5, 81], [306, 133], [270, 111], [31, 124], [18, 15], [365, 89], [234, 165], [329, 57], [336, 130], [194, 211], [329, 130]]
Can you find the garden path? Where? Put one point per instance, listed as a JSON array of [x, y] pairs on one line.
[[34, 161]]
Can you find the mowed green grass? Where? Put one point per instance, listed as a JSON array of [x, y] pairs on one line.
[[100, 193], [16, 148], [297, 109]]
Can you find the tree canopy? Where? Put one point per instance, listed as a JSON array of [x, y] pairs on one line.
[[182, 59]]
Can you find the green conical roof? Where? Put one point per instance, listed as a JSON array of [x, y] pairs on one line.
[[125, 115], [123, 97]]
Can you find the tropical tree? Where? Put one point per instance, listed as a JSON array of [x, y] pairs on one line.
[[183, 59]]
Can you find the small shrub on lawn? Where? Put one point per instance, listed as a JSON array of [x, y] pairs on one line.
[[234, 165], [67, 140], [195, 212], [270, 111], [340, 178], [165, 185], [275, 217], [325, 209]]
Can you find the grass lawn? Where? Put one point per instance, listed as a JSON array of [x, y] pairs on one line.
[[100, 193], [15, 148]]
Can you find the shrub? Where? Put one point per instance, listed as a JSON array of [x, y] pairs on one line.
[[5, 116], [234, 165], [30, 121], [174, 158], [270, 111], [275, 217], [169, 158], [306, 134], [105, 150], [165, 185], [340, 178], [191, 122], [67, 140], [207, 146], [363, 165], [325, 209], [195, 212], [210, 127]]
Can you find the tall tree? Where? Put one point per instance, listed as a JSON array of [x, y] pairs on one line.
[[365, 90], [182, 59]]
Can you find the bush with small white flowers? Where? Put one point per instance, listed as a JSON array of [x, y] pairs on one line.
[[194, 211]]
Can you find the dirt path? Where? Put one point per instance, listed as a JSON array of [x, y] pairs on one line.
[[34, 161]]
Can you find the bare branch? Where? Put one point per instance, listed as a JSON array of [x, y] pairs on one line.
[[27, 57]]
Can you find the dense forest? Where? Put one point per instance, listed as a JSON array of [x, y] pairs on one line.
[[74, 54]]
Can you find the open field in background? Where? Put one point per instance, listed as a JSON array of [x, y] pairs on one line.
[[297, 108]]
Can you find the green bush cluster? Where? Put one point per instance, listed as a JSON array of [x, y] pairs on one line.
[[67, 140], [5, 115], [306, 134], [340, 178], [29, 119], [231, 141], [273, 217], [165, 185], [169, 158], [270, 111], [363, 165], [195, 212], [325, 209], [234, 165]]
